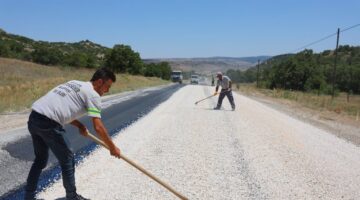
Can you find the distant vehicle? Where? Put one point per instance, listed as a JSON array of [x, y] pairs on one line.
[[176, 76], [194, 79]]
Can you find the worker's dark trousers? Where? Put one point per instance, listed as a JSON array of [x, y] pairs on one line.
[[46, 134], [229, 96]]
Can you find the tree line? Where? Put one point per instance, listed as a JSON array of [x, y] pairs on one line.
[[121, 58], [307, 71]]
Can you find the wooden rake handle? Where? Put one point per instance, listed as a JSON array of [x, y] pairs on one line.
[[139, 168], [205, 98]]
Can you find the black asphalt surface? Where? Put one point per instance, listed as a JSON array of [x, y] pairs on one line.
[[115, 118]]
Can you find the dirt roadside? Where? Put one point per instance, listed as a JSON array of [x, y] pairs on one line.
[[13, 120], [341, 125]]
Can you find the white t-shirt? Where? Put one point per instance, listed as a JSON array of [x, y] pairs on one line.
[[69, 101]]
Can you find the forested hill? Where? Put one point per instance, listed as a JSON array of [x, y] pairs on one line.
[[84, 53], [308, 71], [121, 58]]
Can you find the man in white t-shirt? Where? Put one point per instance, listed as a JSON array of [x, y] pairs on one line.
[[63, 105], [225, 83]]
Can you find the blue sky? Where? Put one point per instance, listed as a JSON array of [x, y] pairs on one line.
[[187, 28]]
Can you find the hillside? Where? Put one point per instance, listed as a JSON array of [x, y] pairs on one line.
[[89, 54], [211, 64], [308, 71], [21, 83], [83, 53]]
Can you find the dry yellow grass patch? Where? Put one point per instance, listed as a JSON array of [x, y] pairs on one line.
[[338, 105], [21, 83]]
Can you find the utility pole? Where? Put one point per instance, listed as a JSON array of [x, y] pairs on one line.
[[335, 61], [349, 81], [257, 74]]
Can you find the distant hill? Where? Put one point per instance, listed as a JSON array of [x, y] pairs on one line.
[[210, 65], [89, 54], [83, 53]]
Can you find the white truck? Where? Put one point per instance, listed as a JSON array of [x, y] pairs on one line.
[[176, 76]]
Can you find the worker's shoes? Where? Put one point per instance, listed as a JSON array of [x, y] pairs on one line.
[[233, 108], [77, 197], [216, 108]]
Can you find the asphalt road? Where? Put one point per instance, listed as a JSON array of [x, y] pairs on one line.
[[16, 157]]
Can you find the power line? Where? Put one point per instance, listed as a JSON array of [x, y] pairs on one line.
[[324, 38], [351, 27]]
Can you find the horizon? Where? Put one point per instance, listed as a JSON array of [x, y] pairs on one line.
[[186, 29]]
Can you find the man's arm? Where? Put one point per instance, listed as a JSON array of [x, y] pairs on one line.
[[102, 132], [229, 85], [216, 89], [81, 127]]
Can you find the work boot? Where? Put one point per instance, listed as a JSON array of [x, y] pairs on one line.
[[216, 108], [233, 108], [77, 197]]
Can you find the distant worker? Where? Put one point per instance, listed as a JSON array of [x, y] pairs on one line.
[[225, 84], [212, 80], [62, 105]]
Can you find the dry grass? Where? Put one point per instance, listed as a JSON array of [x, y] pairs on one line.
[[338, 105], [21, 83]]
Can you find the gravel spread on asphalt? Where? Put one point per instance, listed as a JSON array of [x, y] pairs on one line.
[[254, 152]]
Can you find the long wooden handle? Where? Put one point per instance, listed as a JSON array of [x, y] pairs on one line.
[[140, 168], [205, 98]]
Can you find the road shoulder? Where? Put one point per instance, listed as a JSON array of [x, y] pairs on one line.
[[340, 125]]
